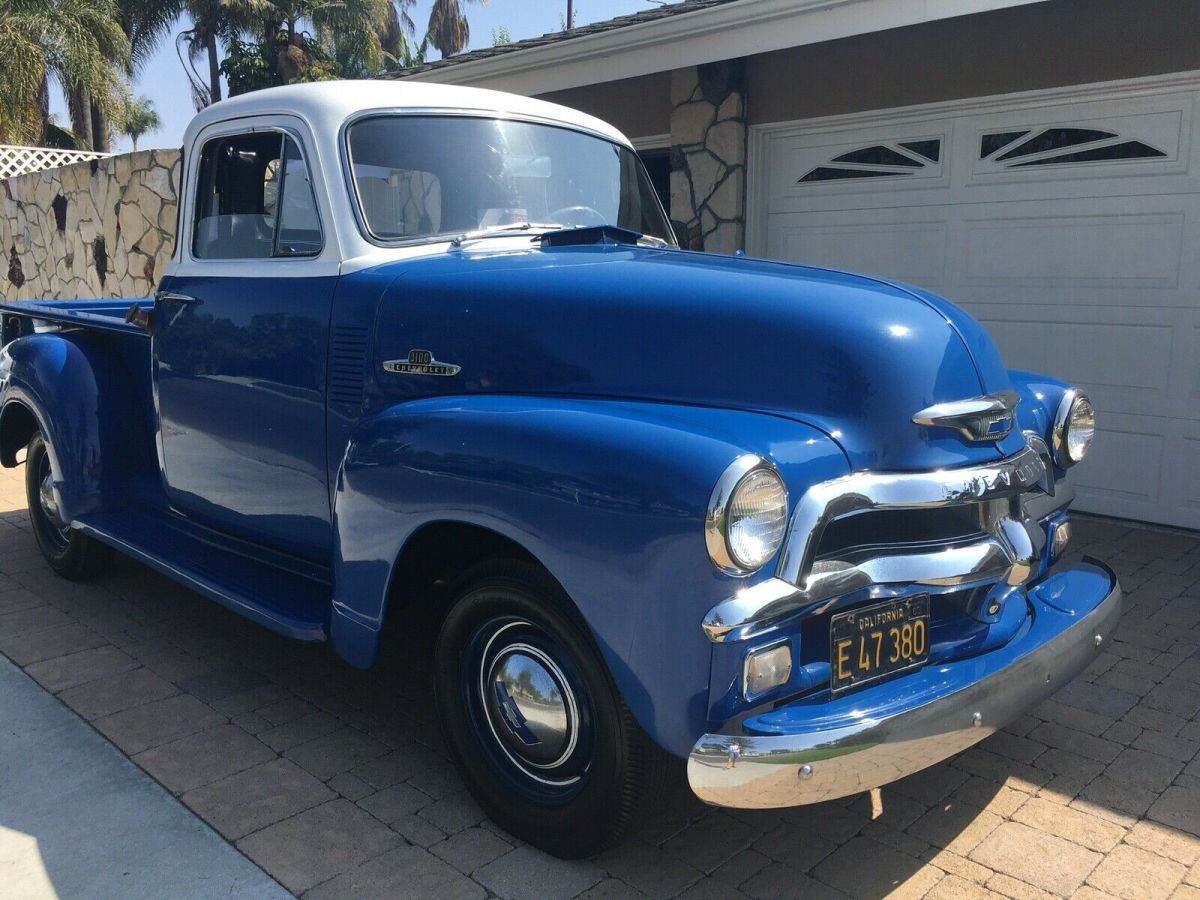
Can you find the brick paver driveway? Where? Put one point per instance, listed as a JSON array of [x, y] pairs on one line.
[[335, 781]]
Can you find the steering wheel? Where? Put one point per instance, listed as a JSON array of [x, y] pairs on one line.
[[578, 215]]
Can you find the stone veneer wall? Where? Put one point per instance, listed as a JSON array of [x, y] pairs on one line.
[[95, 229], [708, 156]]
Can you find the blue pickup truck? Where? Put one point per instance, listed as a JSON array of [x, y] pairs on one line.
[[432, 354]]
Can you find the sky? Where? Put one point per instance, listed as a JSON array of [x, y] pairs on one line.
[[163, 81]]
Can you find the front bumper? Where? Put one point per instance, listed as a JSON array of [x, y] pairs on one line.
[[810, 753]]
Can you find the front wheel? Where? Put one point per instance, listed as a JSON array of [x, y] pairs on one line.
[[536, 726], [69, 552]]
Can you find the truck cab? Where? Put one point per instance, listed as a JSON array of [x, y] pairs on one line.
[[426, 353]]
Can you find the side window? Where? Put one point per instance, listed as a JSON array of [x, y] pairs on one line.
[[254, 200]]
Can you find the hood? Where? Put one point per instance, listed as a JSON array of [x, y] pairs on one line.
[[851, 356]]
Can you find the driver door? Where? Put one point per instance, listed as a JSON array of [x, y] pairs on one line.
[[239, 345]]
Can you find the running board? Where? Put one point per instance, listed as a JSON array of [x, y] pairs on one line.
[[294, 602]]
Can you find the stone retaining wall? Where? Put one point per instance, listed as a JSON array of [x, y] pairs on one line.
[[104, 228]]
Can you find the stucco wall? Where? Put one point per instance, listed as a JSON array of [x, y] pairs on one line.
[[1046, 45], [98, 229], [639, 107]]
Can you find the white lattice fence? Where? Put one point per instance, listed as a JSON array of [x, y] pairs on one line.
[[23, 160]]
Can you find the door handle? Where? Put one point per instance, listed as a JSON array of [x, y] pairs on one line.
[[140, 317], [177, 299]]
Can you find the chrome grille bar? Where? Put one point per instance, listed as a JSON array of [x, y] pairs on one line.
[[1009, 552]]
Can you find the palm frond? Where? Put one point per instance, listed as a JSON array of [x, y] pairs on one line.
[[449, 30], [146, 23]]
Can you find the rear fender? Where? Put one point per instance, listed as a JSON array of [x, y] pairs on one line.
[[608, 496], [81, 404]]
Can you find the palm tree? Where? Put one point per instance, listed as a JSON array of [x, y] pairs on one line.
[[213, 21], [146, 23], [284, 41], [79, 45], [448, 28], [140, 118], [395, 45], [208, 21], [398, 27], [353, 28]]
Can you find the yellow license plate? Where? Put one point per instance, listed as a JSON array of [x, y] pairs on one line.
[[878, 641]]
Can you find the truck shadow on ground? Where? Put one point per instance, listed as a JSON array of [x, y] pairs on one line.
[[336, 780]]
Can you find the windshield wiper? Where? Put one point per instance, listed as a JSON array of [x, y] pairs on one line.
[[501, 230], [643, 240]]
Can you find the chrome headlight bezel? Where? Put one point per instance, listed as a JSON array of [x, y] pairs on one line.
[[1073, 399], [716, 522]]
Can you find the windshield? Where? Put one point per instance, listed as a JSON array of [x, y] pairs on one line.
[[427, 176]]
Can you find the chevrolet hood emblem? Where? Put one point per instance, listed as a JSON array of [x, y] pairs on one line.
[[988, 418]]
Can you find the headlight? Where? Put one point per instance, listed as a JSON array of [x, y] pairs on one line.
[[1074, 428], [747, 516]]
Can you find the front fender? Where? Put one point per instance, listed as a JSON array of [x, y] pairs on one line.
[[1040, 399], [609, 496]]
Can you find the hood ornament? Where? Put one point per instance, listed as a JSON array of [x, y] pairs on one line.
[[989, 418], [420, 362]]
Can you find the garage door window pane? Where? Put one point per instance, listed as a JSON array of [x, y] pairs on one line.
[[1127, 150], [931, 150], [877, 156], [990, 143], [885, 161], [1056, 139]]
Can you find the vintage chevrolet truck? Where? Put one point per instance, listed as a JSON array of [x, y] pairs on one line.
[[432, 354]]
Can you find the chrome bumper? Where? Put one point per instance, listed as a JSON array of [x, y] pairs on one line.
[[764, 771]]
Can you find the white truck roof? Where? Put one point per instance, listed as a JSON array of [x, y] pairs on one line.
[[326, 105]]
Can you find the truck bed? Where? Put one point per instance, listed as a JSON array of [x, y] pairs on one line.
[[104, 314]]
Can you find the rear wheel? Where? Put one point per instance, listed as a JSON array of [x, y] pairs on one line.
[[70, 553], [537, 728]]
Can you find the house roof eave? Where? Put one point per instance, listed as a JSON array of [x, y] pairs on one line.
[[710, 33]]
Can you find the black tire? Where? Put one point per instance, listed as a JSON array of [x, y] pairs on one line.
[[69, 552], [580, 801]]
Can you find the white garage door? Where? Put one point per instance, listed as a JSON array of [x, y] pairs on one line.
[[1068, 222]]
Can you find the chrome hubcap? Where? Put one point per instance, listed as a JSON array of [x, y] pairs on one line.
[[529, 699], [48, 503], [530, 706]]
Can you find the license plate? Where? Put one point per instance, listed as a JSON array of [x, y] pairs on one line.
[[878, 641]]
